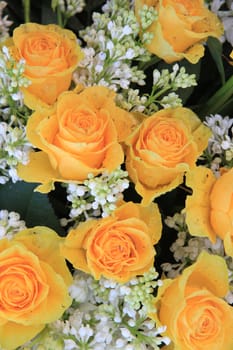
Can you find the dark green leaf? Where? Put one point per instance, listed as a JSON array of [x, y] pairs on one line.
[[33, 207], [47, 14], [215, 48], [227, 108], [219, 100]]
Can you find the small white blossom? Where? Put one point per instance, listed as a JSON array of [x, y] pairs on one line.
[[219, 152], [147, 16], [111, 45], [4, 22], [14, 149], [10, 224], [101, 322], [226, 16], [69, 7], [97, 196]]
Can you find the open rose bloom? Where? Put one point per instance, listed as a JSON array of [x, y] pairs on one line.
[[161, 149], [78, 136], [34, 281], [193, 309], [118, 247], [209, 210], [181, 28], [51, 55]]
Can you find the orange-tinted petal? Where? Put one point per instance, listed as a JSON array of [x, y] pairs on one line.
[[197, 205]]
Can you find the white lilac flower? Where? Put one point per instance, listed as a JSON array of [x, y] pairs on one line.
[[70, 7], [219, 152], [10, 223], [177, 78], [66, 9], [12, 108], [187, 248], [14, 149], [171, 100], [112, 44], [147, 16], [105, 319], [97, 196], [165, 83], [226, 16], [4, 22]]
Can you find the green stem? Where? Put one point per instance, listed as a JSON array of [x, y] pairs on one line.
[[26, 5], [145, 65], [219, 99], [59, 17], [153, 97]]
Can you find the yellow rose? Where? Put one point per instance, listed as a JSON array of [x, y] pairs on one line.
[[34, 282], [193, 309], [209, 210], [118, 247], [181, 28], [162, 149], [80, 135], [51, 54]]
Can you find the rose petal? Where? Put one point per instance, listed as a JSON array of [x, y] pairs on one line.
[[13, 334]]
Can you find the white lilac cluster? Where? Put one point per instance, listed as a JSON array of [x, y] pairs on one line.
[[97, 196], [219, 152], [131, 100], [14, 149], [67, 8], [11, 80], [70, 7], [4, 22], [106, 315], [112, 44], [165, 83], [10, 223], [187, 248], [224, 10], [147, 16]]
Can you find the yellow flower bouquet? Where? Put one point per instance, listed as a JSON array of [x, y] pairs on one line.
[[116, 180]]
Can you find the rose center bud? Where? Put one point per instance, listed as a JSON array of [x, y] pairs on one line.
[[205, 325], [20, 288], [202, 318], [84, 124], [84, 120], [168, 141], [116, 250], [43, 44], [35, 46]]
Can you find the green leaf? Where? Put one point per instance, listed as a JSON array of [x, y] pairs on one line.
[[47, 14], [227, 108], [215, 48], [219, 100], [34, 208]]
